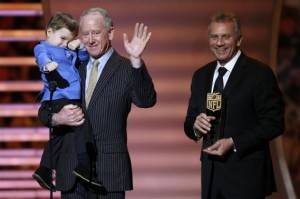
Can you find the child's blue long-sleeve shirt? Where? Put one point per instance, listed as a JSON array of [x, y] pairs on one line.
[[66, 60]]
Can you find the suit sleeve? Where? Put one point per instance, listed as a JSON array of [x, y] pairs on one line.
[[269, 109], [192, 113], [143, 93], [43, 114]]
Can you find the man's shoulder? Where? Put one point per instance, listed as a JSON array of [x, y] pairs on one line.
[[207, 67], [255, 64]]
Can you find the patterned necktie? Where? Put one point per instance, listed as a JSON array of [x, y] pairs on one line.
[[218, 87], [92, 82]]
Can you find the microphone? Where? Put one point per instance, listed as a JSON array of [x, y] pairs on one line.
[[52, 86]]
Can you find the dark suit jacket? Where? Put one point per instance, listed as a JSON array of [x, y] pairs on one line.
[[118, 87], [254, 116]]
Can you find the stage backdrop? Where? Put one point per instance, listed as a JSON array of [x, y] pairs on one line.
[[165, 163]]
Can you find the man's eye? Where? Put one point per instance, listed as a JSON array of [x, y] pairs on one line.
[[96, 33]]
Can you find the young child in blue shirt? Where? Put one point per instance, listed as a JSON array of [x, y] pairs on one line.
[[57, 58]]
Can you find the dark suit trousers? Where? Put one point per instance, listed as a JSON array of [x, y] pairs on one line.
[[84, 138], [79, 191], [216, 190]]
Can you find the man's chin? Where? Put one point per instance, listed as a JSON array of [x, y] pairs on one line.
[[221, 59], [93, 53]]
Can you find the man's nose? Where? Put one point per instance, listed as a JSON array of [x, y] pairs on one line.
[[220, 41], [90, 38]]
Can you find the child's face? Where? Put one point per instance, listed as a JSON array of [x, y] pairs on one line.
[[59, 37]]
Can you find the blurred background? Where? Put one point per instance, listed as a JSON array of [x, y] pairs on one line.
[[166, 164]]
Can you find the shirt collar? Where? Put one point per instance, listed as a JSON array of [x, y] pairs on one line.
[[103, 59]]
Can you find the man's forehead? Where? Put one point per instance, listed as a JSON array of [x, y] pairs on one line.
[[92, 21]]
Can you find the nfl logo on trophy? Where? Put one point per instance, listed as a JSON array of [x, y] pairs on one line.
[[216, 106], [214, 102]]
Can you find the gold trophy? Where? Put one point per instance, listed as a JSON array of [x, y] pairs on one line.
[[216, 106]]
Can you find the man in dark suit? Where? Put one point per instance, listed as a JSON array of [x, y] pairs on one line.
[[239, 164], [119, 83]]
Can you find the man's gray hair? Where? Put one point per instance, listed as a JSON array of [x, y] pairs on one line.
[[98, 11]]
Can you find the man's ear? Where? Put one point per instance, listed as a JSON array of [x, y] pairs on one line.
[[239, 42], [111, 33]]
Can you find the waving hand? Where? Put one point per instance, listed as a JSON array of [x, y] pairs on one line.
[[138, 43]]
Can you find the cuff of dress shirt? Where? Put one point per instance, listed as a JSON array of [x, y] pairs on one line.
[[198, 135], [234, 149]]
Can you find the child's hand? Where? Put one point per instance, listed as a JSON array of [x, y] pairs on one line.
[[73, 45], [51, 66]]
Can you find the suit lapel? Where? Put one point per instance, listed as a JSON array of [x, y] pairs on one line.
[[236, 75], [108, 70], [82, 73], [209, 78], [207, 83]]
